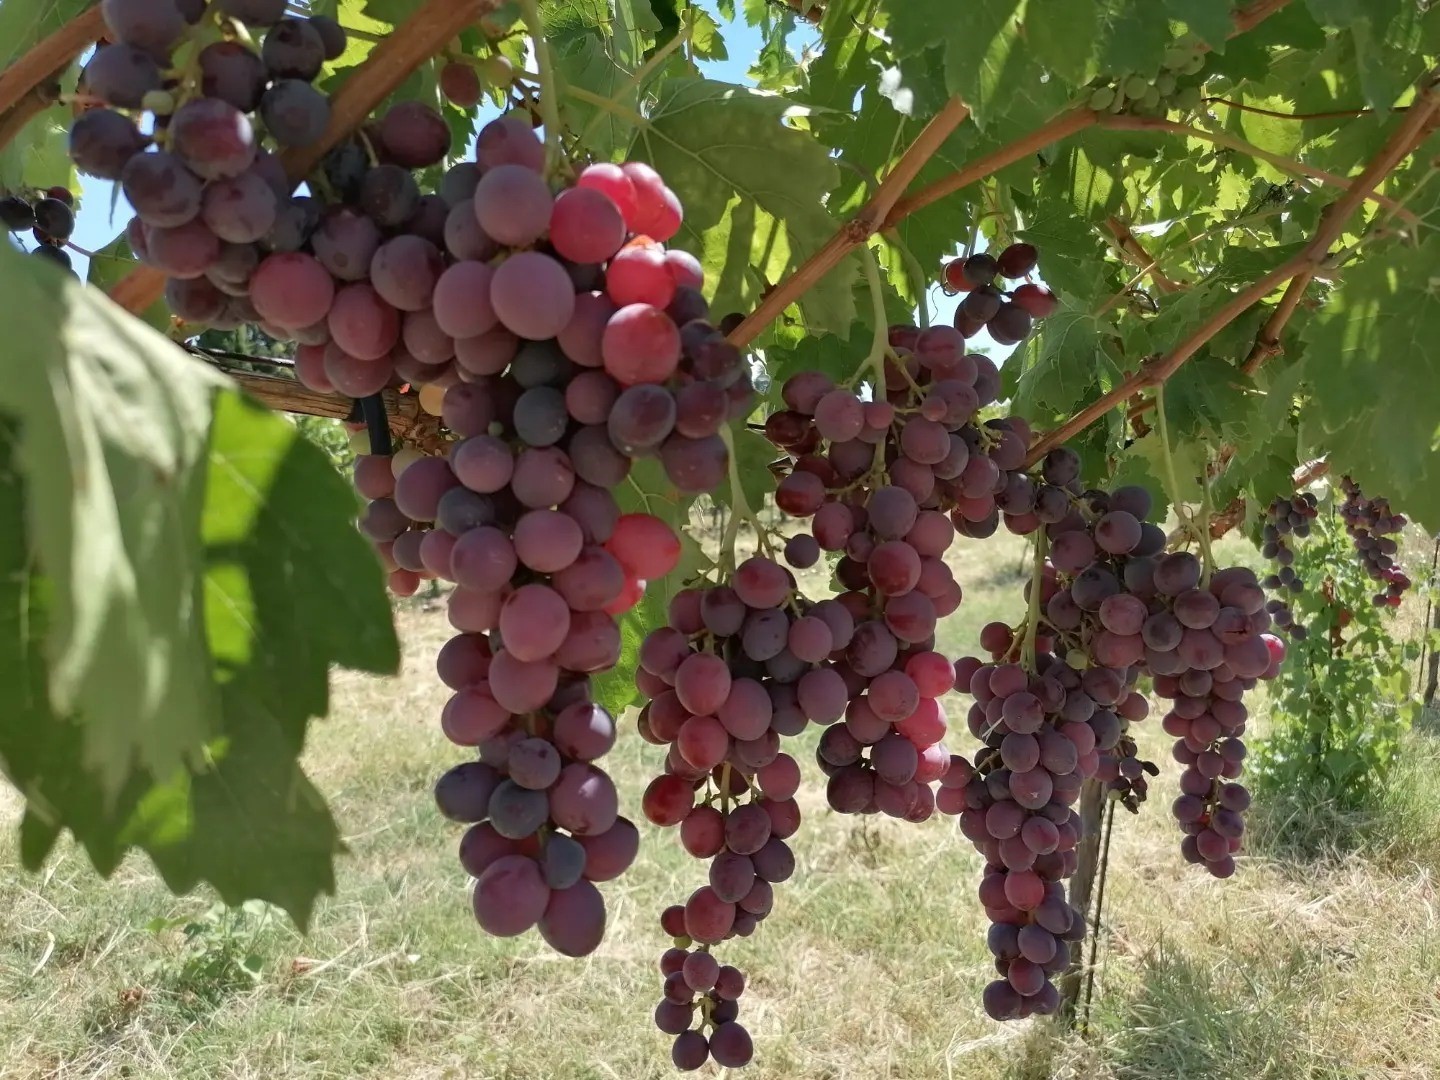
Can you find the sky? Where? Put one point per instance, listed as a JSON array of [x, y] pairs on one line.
[[97, 224]]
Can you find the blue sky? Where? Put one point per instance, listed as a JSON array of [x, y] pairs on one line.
[[97, 225]]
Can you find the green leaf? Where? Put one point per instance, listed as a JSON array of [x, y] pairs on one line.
[[118, 434], [1061, 33], [24, 22], [1373, 355], [1136, 39], [1208, 21], [287, 588], [753, 189], [706, 40], [986, 60], [753, 455], [1091, 192], [39, 154], [1069, 354], [113, 262], [581, 60], [113, 428]]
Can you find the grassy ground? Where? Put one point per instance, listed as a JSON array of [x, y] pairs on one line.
[[870, 967]]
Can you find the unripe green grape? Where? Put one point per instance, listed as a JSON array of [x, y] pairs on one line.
[[1136, 85], [497, 71], [159, 102], [1187, 98], [1193, 67], [1118, 105], [1151, 98], [402, 459], [1102, 98], [1176, 57], [1165, 84]]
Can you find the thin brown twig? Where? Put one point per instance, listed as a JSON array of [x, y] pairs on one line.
[[858, 229], [1234, 142], [46, 57], [1402, 141], [1417, 125], [1334, 114], [421, 36], [1133, 251]]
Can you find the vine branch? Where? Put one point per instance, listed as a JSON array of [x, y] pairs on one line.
[[1419, 122], [54, 53], [1061, 127], [1247, 18], [1133, 251], [872, 218]]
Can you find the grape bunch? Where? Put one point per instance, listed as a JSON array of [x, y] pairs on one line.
[[1207, 646], [1285, 518], [876, 479], [211, 198], [1100, 544], [738, 667], [50, 217], [1371, 525], [544, 819], [1009, 316], [519, 514], [584, 365], [1042, 724], [1175, 86]]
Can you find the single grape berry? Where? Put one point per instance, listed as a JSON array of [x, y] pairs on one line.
[[1017, 260], [1036, 299], [16, 213], [980, 269]]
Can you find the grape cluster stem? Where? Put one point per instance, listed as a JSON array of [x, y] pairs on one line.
[[549, 103]]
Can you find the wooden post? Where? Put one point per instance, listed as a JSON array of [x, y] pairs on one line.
[[1082, 885]]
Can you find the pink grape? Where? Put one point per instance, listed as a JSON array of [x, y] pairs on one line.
[[532, 295]]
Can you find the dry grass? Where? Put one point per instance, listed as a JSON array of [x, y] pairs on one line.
[[869, 968]]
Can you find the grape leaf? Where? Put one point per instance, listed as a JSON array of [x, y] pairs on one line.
[[1060, 32], [113, 432], [1070, 352], [287, 587], [1207, 21], [1371, 355], [115, 435], [753, 189], [111, 263], [986, 61], [24, 22], [581, 60], [1135, 39]]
